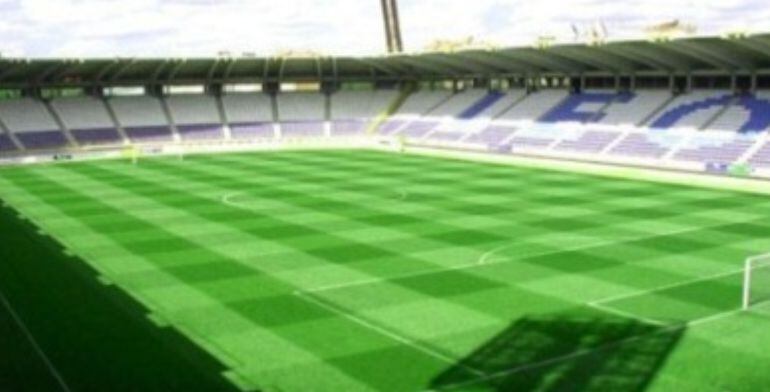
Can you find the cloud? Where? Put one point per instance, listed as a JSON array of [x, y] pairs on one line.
[[161, 28]]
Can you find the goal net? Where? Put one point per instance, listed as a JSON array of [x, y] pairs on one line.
[[756, 281]]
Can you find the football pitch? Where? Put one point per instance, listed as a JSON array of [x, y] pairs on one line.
[[352, 270]]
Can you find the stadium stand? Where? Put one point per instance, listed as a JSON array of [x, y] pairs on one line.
[[637, 109], [586, 107], [692, 110], [465, 115], [535, 105], [591, 141], [142, 118], [493, 136], [302, 114], [646, 145], [196, 116], [481, 106], [87, 120], [463, 104], [417, 129], [32, 124], [535, 138], [7, 144], [757, 107], [352, 111], [442, 135], [761, 158], [408, 119], [502, 103], [467, 119], [715, 147], [734, 117], [249, 116]]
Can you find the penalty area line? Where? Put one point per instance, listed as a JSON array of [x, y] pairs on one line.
[[666, 287], [385, 332], [487, 259], [624, 314], [607, 346]]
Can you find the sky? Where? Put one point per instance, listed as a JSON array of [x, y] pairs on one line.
[[190, 28]]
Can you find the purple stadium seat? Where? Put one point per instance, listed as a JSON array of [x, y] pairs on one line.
[[42, 139], [96, 136], [243, 131], [302, 129], [201, 132], [149, 134]]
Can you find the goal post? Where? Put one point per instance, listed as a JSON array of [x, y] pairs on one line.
[[756, 280], [131, 153], [177, 150]]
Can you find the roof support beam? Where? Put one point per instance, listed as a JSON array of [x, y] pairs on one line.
[[64, 71], [757, 47], [383, 66], [174, 71], [591, 60], [508, 66], [466, 64], [281, 67], [543, 60], [159, 70], [319, 68], [732, 60], [103, 72], [444, 66], [427, 66], [656, 62], [696, 56], [212, 70], [120, 71], [39, 79], [652, 64], [229, 68], [11, 68], [266, 68], [710, 60]]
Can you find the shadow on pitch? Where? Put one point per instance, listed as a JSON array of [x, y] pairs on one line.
[[565, 353], [96, 337]]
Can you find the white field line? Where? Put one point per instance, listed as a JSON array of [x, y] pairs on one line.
[[228, 199], [382, 331], [714, 317], [621, 313], [582, 353], [486, 259], [55, 373], [666, 287]]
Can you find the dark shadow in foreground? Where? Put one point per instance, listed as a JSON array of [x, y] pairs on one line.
[[566, 353], [63, 330]]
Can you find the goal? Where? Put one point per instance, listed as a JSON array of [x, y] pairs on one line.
[[756, 280], [134, 153]]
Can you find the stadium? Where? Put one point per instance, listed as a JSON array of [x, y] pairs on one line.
[[579, 216]]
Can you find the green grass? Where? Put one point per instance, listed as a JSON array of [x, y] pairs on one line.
[[361, 270]]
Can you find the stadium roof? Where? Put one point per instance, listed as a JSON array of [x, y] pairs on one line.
[[702, 55]]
